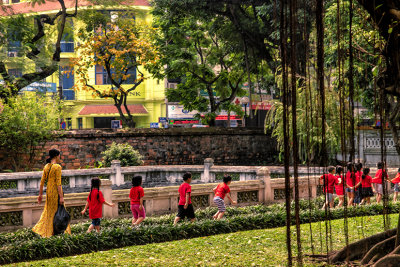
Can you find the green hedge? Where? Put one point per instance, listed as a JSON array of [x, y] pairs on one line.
[[24, 245]]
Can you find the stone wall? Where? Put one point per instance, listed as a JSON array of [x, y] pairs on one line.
[[227, 146]]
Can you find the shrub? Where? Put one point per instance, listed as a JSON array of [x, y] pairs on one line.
[[122, 152]]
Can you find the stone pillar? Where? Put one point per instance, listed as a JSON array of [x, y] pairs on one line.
[[173, 203], [264, 175], [116, 176], [105, 188], [27, 217], [208, 163], [72, 181], [21, 185], [149, 207], [233, 196]]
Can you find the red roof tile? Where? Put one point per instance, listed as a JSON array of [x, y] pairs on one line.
[[26, 7], [111, 109]]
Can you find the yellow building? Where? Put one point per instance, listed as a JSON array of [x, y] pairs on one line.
[[146, 103]]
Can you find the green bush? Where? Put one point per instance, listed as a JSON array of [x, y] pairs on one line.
[[122, 152]]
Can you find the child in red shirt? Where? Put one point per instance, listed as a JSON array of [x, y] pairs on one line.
[[136, 195], [339, 185], [366, 189], [185, 207], [220, 192], [396, 181], [351, 183], [95, 203], [380, 177], [328, 181]]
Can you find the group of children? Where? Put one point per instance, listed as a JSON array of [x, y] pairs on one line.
[[95, 201], [356, 183]]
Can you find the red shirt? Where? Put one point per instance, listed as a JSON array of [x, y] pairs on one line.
[[351, 179], [222, 190], [339, 186], [135, 194], [378, 177], [366, 182], [396, 179], [358, 175], [329, 182], [183, 189], [95, 205]]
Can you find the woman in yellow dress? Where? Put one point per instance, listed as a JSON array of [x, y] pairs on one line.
[[51, 173]]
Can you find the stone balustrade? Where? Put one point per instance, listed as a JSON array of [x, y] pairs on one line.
[[25, 212]]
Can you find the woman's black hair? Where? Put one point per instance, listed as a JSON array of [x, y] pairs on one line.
[[359, 166], [136, 181], [95, 185], [398, 170], [365, 173], [350, 167], [339, 169], [227, 179], [52, 154]]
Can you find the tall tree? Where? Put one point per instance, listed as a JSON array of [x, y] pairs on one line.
[[209, 66], [37, 40], [124, 49]]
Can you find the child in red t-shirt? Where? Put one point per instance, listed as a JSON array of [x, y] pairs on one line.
[[380, 177], [95, 203], [185, 207], [339, 185], [396, 181], [136, 195], [366, 189], [328, 181], [220, 192], [351, 183]]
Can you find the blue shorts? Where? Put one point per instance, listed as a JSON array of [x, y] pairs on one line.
[[349, 190], [329, 197], [396, 188], [96, 222]]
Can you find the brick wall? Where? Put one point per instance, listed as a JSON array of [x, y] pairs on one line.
[[227, 146]]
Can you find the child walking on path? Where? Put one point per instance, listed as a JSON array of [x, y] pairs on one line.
[[95, 203], [220, 192], [396, 181], [339, 185], [366, 189], [136, 195], [358, 190], [328, 181], [352, 183], [185, 207], [380, 177]]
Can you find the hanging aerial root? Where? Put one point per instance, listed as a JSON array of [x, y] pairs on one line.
[[358, 249]]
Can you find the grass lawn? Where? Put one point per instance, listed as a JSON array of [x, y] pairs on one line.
[[249, 248]]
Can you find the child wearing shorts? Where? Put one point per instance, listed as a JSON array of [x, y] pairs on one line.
[[220, 192], [185, 207], [328, 181], [396, 181], [136, 195], [380, 178], [339, 185], [366, 189], [95, 203]]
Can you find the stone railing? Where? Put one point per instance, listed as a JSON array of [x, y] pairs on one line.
[[24, 211], [75, 181]]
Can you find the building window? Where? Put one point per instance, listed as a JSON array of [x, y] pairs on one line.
[[80, 124], [102, 76], [67, 41], [67, 82], [69, 123], [17, 73]]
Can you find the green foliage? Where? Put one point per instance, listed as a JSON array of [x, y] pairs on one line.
[[25, 123], [122, 152]]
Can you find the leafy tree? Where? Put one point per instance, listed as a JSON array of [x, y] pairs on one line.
[[122, 152], [26, 124], [201, 53], [36, 39], [124, 49]]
